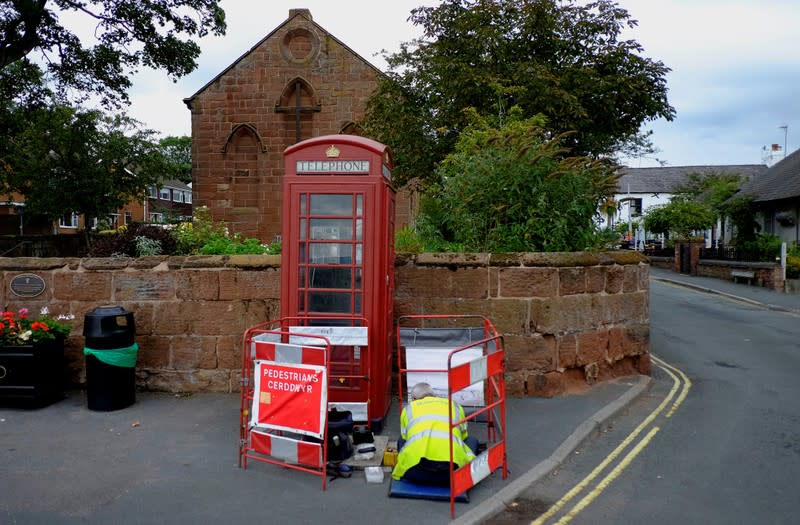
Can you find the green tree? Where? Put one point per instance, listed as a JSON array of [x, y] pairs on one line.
[[681, 216], [714, 188], [121, 36], [68, 160], [565, 60], [22, 93], [515, 189], [177, 152], [742, 214], [719, 191]]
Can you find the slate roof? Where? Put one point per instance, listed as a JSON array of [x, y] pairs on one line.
[[664, 179], [781, 181], [173, 183]]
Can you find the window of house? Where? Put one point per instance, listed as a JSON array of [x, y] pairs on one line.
[[128, 217], [153, 192], [636, 207], [69, 220], [156, 217], [187, 197], [164, 194], [177, 196]]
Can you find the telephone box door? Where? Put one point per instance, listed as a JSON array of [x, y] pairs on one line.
[[328, 274]]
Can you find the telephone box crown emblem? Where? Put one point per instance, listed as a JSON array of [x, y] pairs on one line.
[[333, 151]]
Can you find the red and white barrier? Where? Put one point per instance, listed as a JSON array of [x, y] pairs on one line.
[[284, 399], [481, 362]]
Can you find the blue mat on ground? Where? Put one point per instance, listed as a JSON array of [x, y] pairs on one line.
[[406, 489]]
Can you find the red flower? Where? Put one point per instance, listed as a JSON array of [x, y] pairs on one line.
[[37, 325]]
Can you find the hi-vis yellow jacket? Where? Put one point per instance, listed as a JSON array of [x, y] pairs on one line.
[[424, 427]]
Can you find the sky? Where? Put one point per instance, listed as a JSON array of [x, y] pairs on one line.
[[734, 80]]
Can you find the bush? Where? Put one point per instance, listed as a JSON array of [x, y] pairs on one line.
[[231, 245], [407, 241], [190, 237], [203, 236], [514, 189], [200, 237], [766, 246], [123, 242], [793, 267]]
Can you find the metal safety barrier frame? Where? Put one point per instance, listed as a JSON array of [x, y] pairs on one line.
[[282, 446], [489, 368], [296, 324]]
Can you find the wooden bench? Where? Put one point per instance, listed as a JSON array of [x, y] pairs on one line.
[[743, 274]]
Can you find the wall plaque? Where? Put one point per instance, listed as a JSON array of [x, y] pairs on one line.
[[27, 285]]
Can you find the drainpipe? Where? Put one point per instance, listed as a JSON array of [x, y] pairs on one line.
[[629, 213]]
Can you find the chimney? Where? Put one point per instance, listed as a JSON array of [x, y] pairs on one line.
[[300, 11]]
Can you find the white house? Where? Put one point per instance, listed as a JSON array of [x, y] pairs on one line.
[[639, 189], [776, 196]]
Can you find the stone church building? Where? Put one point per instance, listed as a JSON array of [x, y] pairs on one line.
[[298, 82]]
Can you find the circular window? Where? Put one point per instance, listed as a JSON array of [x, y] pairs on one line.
[[299, 45]]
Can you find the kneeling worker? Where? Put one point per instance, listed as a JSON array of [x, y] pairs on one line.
[[423, 449]]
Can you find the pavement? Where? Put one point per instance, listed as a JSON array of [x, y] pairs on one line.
[[174, 458], [755, 295]]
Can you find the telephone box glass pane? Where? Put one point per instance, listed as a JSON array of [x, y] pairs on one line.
[[359, 229], [359, 205], [301, 278], [302, 229], [358, 253], [330, 302], [331, 253], [301, 302], [302, 252], [332, 229], [303, 205], [358, 279], [330, 278], [358, 303], [332, 205]]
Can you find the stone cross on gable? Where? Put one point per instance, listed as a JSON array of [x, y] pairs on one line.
[[298, 109]]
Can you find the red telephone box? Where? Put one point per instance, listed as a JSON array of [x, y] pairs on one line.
[[337, 275]]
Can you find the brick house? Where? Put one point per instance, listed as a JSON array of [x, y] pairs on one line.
[[169, 200], [298, 82]]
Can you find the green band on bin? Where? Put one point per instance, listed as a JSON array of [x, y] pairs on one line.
[[124, 357]]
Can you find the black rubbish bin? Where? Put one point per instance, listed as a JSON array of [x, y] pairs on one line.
[[110, 358]]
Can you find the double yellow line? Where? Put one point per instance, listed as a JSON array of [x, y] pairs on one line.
[[681, 383]]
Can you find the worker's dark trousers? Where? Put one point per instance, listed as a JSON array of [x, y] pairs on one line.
[[435, 473]]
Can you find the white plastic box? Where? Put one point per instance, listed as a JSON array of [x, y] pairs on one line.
[[374, 474]]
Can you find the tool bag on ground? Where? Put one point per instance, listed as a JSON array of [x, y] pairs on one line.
[[339, 446]]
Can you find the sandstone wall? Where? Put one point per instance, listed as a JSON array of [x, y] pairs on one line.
[[190, 312], [568, 320]]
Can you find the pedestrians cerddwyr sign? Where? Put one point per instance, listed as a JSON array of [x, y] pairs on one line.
[[27, 285], [290, 397]]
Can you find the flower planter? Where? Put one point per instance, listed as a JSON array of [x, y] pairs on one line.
[[32, 375]]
